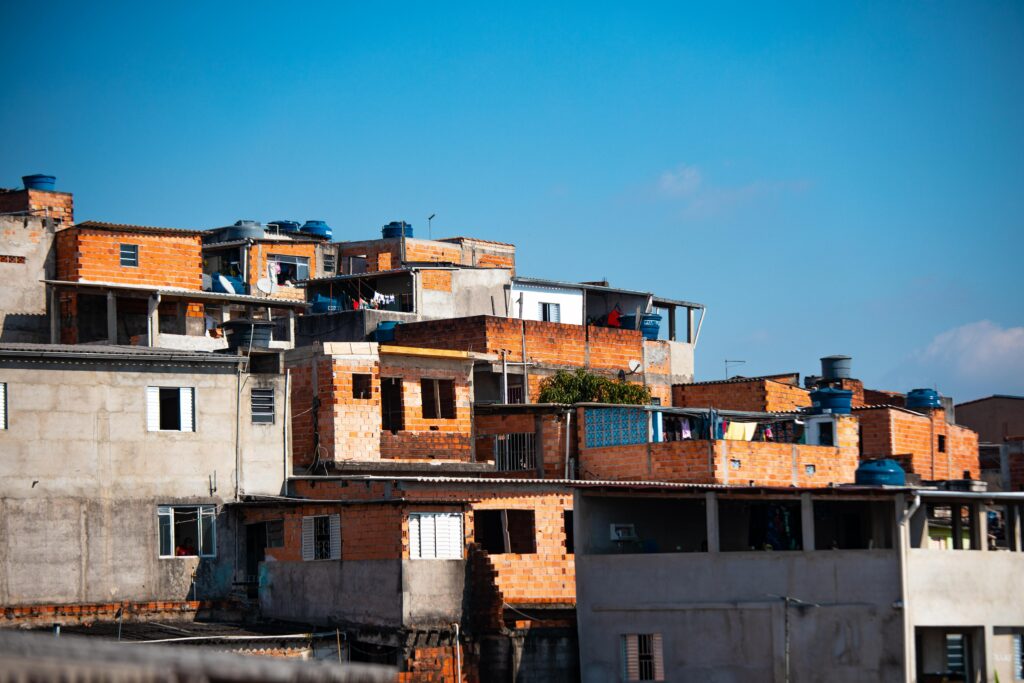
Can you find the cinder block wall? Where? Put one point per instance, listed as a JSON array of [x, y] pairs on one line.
[[759, 395], [913, 440]]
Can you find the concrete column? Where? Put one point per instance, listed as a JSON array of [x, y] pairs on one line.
[[672, 323], [54, 314], [807, 520], [111, 318], [291, 326], [711, 510], [980, 516], [986, 669], [690, 330], [153, 336], [1013, 527], [958, 525]]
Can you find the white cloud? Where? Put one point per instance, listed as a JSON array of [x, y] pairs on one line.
[[972, 360], [683, 181]]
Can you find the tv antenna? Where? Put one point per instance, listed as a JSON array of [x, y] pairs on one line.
[[430, 235], [731, 362]]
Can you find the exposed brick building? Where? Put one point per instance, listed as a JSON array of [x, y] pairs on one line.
[[924, 443], [770, 393]]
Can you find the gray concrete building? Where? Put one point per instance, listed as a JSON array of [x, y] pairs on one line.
[[118, 464], [26, 257], [682, 583]]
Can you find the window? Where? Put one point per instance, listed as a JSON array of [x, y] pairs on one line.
[[570, 537], [435, 536], [361, 386], [550, 313], [438, 398], [170, 409], [391, 417], [262, 406], [288, 269], [505, 531], [321, 537], [515, 452], [826, 434], [1018, 657], [642, 657], [329, 263], [956, 653], [275, 533], [130, 255], [187, 530], [3, 405], [942, 443]]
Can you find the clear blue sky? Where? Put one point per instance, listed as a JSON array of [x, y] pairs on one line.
[[827, 179]]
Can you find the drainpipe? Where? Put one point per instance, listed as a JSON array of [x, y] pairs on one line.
[[458, 654], [568, 432], [903, 543], [504, 376], [526, 371]]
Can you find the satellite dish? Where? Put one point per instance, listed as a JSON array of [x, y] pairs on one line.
[[226, 284], [265, 285], [634, 366]]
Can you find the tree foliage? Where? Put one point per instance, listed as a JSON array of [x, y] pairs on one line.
[[584, 387]]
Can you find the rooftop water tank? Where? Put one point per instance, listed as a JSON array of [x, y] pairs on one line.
[[829, 401], [318, 229], [396, 229], [39, 181], [835, 367], [883, 472], [286, 226], [923, 398], [245, 230]]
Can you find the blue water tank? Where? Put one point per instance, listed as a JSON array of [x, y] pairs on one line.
[[325, 304], [883, 472], [286, 226], [318, 229], [39, 181], [396, 229], [827, 401], [386, 330], [918, 399]]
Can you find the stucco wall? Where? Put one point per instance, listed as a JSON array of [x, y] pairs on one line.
[[26, 257]]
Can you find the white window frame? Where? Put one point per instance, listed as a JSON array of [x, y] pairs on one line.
[[259, 405], [205, 514], [549, 312], [630, 644], [186, 409], [300, 263], [309, 538], [330, 264], [3, 405], [436, 536]]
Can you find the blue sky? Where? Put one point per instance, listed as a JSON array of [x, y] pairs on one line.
[[843, 178]]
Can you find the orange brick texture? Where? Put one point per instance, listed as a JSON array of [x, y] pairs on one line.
[[350, 428], [758, 395], [912, 439], [485, 253], [258, 254], [386, 254], [715, 462], [58, 205], [437, 280], [550, 450], [86, 613], [438, 665], [164, 260]]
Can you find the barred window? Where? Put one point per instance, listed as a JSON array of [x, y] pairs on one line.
[[321, 537], [130, 255], [642, 657]]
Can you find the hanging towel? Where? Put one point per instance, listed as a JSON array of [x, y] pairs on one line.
[[741, 431], [684, 429]]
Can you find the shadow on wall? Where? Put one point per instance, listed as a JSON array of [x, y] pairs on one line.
[[29, 328]]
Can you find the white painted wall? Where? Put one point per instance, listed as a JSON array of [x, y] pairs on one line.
[[569, 300]]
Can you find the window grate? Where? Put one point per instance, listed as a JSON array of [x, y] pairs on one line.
[[515, 452], [328, 263], [262, 406], [130, 255], [322, 538]]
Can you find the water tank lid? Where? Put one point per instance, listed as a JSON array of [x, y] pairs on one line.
[[837, 357], [830, 391]]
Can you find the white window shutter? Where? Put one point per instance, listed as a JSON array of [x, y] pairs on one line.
[[414, 537], [449, 536], [658, 656], [307, 538], [335, 537], [3, 405], [630, 657], [556, 313], [540, 310], [153, 409], [428, 536], [186, 404]]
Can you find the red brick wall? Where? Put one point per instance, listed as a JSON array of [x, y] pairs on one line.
[[368, 532], [755, 395], [61, 205], [912, 438], [552, 438], [164, 260], [258, 254]]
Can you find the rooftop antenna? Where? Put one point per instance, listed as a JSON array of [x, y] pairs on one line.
[[430, 235], [731, 362]]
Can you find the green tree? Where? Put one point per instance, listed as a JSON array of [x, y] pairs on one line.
[[584, 387]]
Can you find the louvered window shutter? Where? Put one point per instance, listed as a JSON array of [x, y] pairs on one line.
[[1018, 657], [414, 537], [187, 405], [556, 313], [307, 538], [656, 653], [3, 405], [335, 537], [428, 536], [630, 658], [153, 409]]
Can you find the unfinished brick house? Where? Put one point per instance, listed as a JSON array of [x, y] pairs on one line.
[[923, 442], [769, 393], [409, 566]]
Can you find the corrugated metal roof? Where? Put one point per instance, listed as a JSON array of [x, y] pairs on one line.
[[740, 380], [599, 288], [126, 227], [476, 239], [195, 294], [142, 353]]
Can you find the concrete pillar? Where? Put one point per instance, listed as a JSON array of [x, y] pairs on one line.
[[980, 515], [958, 525], [672, 323], [711, 511], [153, 335], [807, 520], [291, 326], [690, 330], [986, 668], [111, 318], [1013, 527]]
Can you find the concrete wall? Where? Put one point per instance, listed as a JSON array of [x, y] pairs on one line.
[[720, 618], [993, 418], [81, 477], [937, 594], [26, 257], [432, 592]]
